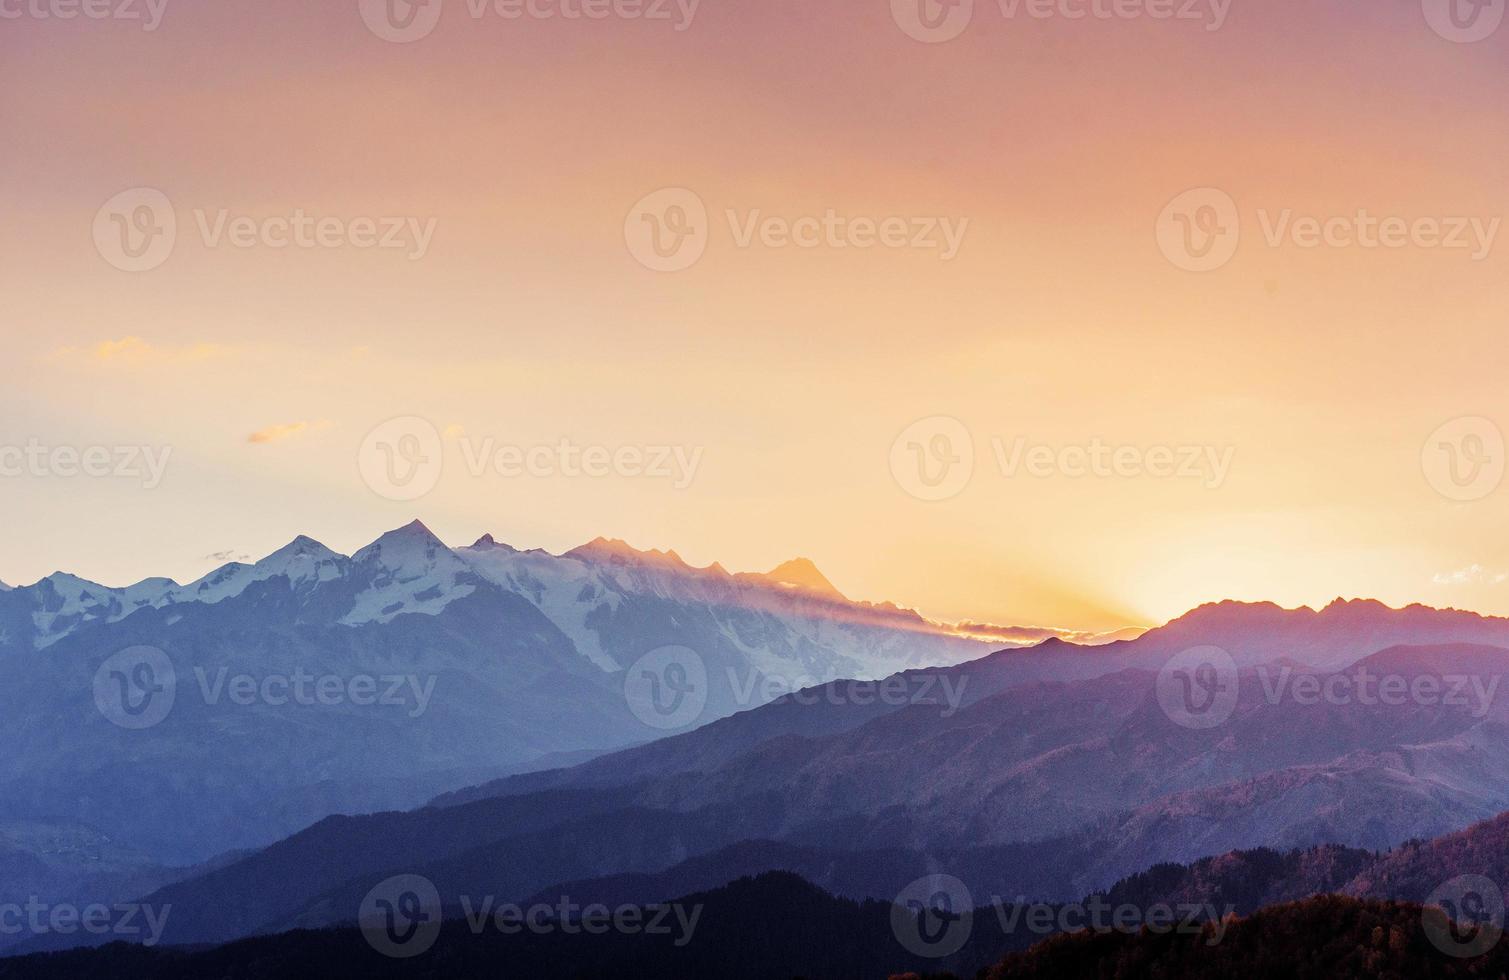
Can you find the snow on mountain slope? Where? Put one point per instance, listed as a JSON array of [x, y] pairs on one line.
[[610, 598], [615, 603], [565, 590], [407, 571], [304, 562]]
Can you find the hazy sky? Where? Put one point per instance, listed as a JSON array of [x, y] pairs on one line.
[[1299, 384]]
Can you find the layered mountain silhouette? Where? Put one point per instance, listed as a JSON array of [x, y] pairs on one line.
[[312, 683], [1047, 773], [1320, 912]]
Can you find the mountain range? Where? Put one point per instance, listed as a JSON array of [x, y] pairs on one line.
[[1049, 773], [312, 683], [526, 753], [1318, 912]]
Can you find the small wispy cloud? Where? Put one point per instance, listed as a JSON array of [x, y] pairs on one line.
[[1471, 575], [136, 351], [224, 556], [1029, 635], [278, 433]]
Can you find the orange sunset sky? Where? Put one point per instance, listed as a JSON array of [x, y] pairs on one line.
[[525, 145]]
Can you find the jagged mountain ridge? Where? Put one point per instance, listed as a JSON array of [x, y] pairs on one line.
[[411, 571], [1054, 788], [526, 653]]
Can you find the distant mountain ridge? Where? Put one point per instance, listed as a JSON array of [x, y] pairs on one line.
[[528, 654], [1051, 772], [1340, 633], [1321, 911], [505, 656], [63, 602]]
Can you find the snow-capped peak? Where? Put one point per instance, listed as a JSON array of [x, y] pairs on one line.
[[65, 601], [410, 550], [614, 551], [303, 561], [407, 570]]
